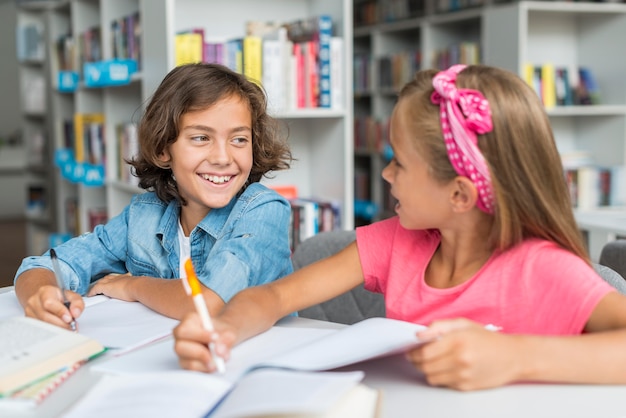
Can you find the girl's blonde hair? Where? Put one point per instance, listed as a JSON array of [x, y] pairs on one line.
[[531, 196]]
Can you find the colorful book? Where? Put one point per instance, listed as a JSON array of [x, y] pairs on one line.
[[253, 58], [188, 48], [548, 87], [50, 349], [33, 394], [336, 73], [88, 136]]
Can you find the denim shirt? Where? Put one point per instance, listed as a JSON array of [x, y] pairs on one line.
[[243, 244]]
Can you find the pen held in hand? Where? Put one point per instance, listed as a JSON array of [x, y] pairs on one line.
[[57, 273], [193, 286]]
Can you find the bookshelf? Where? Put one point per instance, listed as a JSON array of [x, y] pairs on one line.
[[511, 35], [321, 138], [32, 30]]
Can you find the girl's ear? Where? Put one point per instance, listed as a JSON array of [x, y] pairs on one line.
[[464, 194]]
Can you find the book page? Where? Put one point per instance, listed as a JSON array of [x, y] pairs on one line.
[[31, 349], [286, 392], [166, 394], [9, 305], [184, 393], [124, 326], [370, 338], [160, 356]]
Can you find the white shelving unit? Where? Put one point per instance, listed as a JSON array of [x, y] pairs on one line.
[[321, 139], [510, 35], [572, 35], [33, 60]]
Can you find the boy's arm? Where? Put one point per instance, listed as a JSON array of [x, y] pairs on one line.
[[165, 296]]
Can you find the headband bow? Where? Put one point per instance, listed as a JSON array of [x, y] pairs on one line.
[[465, 113]]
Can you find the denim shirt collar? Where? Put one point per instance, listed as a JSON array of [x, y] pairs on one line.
[[212, 224]]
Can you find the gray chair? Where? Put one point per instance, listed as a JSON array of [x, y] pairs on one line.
[[352, 306], [613, 255]]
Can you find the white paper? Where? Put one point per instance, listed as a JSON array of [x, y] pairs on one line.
[[169, 394], [9, 305], [189, 394], [160, 356], [370, 338], [289, 392], [115, 323], [124, 325]]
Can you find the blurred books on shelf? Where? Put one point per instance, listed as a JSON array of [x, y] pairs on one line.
[[562, 86]]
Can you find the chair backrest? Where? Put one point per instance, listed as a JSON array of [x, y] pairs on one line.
[[613, 255], [611, 276], [352, 306]]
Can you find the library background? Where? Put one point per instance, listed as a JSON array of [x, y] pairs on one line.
[[76, 74]]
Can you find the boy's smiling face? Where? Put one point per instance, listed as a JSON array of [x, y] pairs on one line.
[[212, 157]]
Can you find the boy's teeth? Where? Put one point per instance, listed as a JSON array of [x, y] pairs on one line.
[[216, 179]]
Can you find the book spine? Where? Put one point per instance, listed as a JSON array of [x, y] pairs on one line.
[[325, 35], [253, 58], [548, 88], [336, 73]]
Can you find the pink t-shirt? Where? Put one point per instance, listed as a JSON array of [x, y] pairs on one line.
[[534, 288]]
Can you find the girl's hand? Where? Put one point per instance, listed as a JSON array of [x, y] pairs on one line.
[[113, 285], [192, 343], [47, 305], [463, 355]]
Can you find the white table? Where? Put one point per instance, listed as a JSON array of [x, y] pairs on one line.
[[406, 394]]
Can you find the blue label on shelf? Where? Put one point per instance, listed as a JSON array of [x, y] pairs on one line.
[[88, 174], [68, 81], [109, 73]]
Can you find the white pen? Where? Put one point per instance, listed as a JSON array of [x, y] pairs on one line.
[[57, 273], [198, 300]]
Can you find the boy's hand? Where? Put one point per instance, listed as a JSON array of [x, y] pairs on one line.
[[47, 305], [115, 286], [465, 356], [192, 343]]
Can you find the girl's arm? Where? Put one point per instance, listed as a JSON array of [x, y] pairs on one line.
[[256, 309], [468, 357]]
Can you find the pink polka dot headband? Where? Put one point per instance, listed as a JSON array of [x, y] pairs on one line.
[[465, 113]]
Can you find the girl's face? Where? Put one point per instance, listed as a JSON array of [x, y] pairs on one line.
[[422, 201], [212, 156]]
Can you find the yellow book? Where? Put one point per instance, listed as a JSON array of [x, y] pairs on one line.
[[85, 139], [188, 48], [528, 74], [548, 86], [253, 58]]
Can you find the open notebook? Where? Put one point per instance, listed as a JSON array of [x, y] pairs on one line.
[[283, 363], [118, 325]]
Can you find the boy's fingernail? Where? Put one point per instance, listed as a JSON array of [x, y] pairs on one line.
[[67, 318]]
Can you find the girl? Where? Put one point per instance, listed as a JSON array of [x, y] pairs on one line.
[[205, 142], [484, 235]]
